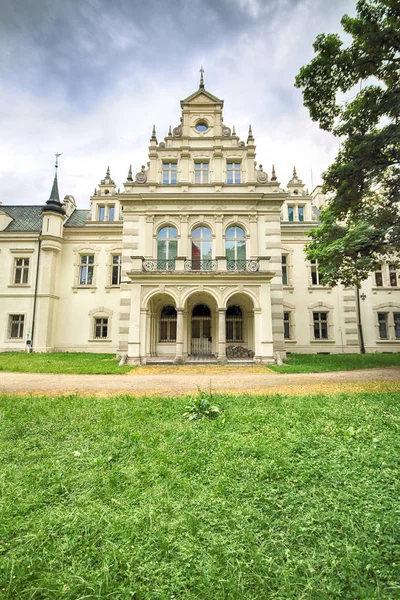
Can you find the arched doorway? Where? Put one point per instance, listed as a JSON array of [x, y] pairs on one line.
[[201, 343]]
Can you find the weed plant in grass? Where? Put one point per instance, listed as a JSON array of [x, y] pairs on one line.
[[284, 498], [61, 362], [318, 363]]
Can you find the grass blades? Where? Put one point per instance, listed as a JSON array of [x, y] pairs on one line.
[[62, 362], [285, 497], [319, 363]]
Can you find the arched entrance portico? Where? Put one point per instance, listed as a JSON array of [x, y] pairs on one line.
[[201, 331]]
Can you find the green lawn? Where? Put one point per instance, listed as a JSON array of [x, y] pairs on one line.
[[61, 362], [318, 363], [122, 498]]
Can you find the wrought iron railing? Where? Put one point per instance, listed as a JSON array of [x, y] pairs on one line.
[[158, 265], [243, 265], [200, 265]]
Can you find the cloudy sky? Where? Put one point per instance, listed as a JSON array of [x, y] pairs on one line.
[[88, 78]]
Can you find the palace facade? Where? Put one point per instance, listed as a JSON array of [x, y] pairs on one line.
[[200, 257]]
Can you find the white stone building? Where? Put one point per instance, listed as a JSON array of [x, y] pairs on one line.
[[200, 257]]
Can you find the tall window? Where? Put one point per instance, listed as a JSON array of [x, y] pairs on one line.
[[111, 212], [116, 269], [396, 320], [169, 172], [286, 325], [86, 268], [101, 213], [290, 211], [167, 246], [235, 247], [378, 278], [320, 322], [393, 275], [201, 172], [201, 248], [16, 327], [233, 172], [168, 324], [284, 270], [315, 276], [234, 324], [21, 270], [383, 325], [101, 328], [300, 212]]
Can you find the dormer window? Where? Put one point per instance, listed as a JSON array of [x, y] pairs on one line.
[[101, 213], [201, 126]]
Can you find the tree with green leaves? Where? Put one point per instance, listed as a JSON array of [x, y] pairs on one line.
[[360, 226]]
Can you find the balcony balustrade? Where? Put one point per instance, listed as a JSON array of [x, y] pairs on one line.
[[158, 265], [197, 265], [243, 265]]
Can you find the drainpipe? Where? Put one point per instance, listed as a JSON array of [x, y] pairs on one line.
[[360, 330], [36, 289]]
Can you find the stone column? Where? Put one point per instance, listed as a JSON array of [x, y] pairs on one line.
[[143, 323], [221, 335], [179, 336]]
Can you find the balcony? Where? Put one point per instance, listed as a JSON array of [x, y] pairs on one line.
[[203, 266]]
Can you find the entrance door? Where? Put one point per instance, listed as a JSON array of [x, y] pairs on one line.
[[201, 330]]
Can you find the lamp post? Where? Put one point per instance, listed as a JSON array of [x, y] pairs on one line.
[[360, 329]]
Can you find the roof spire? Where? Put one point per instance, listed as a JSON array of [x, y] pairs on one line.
[[108, 173], [250, 135], [129, 178], [170, 131], [201, 77], [233, 130], [294, 173], [273, 175], [153, 135], [53, 203]]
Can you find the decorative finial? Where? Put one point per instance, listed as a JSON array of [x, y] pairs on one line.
[[250, 135], [294, 173], [201, 77], [153, 134], [233, 130], [108, 173], [57, 154], [95, 192], [273, 175], [130, 178], [170, 130]]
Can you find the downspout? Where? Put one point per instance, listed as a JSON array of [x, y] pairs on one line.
[[36, 289], [360, 330]]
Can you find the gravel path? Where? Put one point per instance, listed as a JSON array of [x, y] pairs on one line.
[[239, 380]]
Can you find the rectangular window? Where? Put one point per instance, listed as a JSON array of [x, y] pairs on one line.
[[86, 267], [301, 213], [290, 211], [286, 325], [16, 327], [382, 325], [111, 212], [170, 173], [393, 275], [320, 322], [101, 213], [116, 269], [315, 278], [396, 319], [378, 278], [233, 172], [100, 328], [21, 270], [201, 172], [284, 270]]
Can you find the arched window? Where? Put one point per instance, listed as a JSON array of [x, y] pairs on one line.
[[235, 248], [168, 324], [201, 248], [167, 245], [234, 324]]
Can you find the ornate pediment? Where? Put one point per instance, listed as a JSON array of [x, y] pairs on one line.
[[201, 96]]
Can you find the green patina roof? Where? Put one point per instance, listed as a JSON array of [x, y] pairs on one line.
[[28, 218]]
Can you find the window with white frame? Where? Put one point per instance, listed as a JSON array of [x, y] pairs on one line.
[[101, 213], [320, 325], [315, 276], [201, 172], [290, 211], [167, 248], [235, 248], [111, 212], [234, 324], [21, 271], [378, 278], [233, 172], [393, 282], [383, 325], [86, 269], [116, 269], [287, 325], [100, 328], [300, 213], [168, 324], [284, 269], [16, 327], [170, 170], [396, 323]]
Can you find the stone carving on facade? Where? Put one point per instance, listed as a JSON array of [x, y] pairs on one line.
[[242, 144], [161, 145], [262, 177], [201, 99], [226, 132], [177, 131], [141, 177]]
